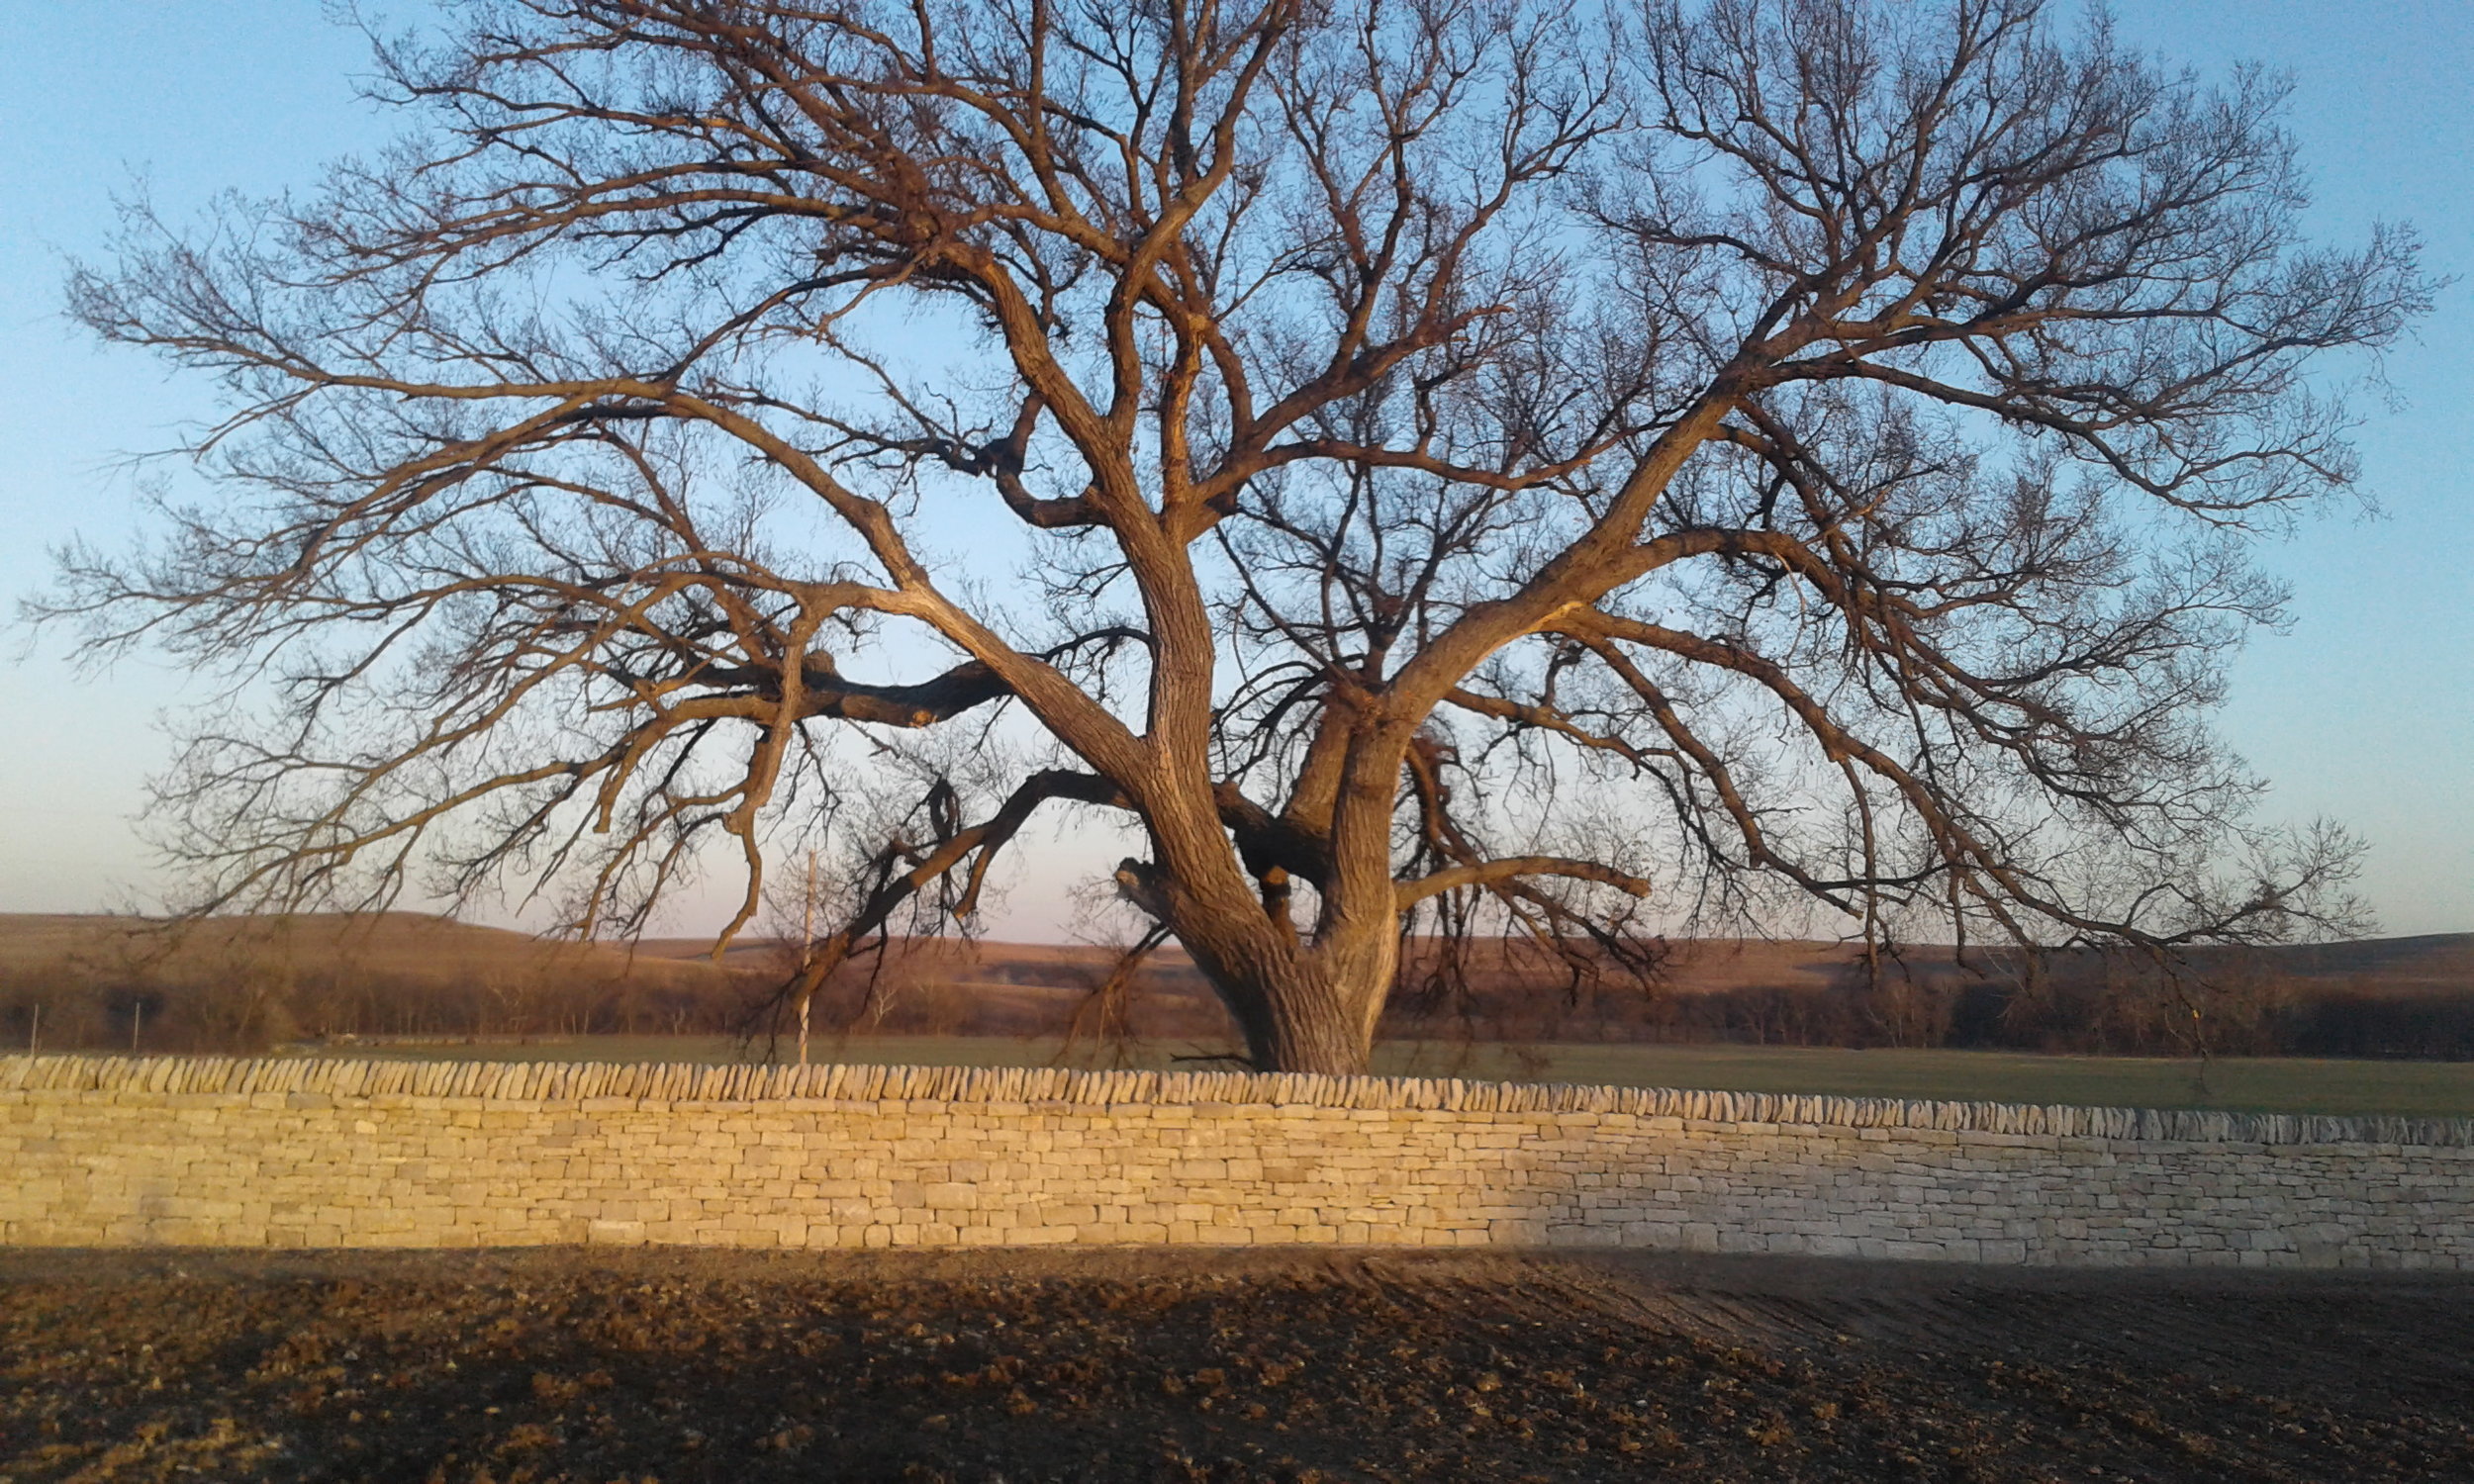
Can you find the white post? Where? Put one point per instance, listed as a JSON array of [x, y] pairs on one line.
[[806, 951]]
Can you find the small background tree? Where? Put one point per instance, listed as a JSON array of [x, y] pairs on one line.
[[1431, 470]]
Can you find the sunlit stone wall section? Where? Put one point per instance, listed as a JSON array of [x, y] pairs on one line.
[[212, 1152]]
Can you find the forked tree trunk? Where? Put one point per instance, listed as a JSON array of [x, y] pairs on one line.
[[1313, 1022], [1301, 1006]]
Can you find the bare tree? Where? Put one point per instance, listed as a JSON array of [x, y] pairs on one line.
[[1429, 466]]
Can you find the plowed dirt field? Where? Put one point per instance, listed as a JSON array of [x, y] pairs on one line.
[[1210, 1365]]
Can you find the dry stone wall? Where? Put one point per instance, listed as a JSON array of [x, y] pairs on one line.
[[290, 1152]]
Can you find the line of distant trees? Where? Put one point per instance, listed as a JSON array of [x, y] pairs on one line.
[[2114, 1008], [2087, 1004]]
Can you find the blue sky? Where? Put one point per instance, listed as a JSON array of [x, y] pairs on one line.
[[2364, 711]]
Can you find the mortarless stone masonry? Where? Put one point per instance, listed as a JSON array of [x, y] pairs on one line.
[[213, 1152]]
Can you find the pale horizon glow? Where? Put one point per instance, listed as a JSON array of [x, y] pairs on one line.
[[2362, 712]]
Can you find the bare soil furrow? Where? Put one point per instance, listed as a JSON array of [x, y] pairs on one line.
[[526, 1367]]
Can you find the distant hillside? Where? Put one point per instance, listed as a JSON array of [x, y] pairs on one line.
[[243, 982], [387, 942], [2436, 964], [239, 982], [2391, 997]]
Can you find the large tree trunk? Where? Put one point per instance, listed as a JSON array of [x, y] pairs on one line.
[[1315, 1021], [1301, 1006]]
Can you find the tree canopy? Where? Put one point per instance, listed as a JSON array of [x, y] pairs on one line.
[[1435, 467]]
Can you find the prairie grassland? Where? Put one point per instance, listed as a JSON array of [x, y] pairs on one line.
[[2424, 1089]]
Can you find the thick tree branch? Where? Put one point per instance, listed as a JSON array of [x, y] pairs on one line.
[[1487, 872]]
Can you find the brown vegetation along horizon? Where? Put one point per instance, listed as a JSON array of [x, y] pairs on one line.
[[243, 982], [238, 984]]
